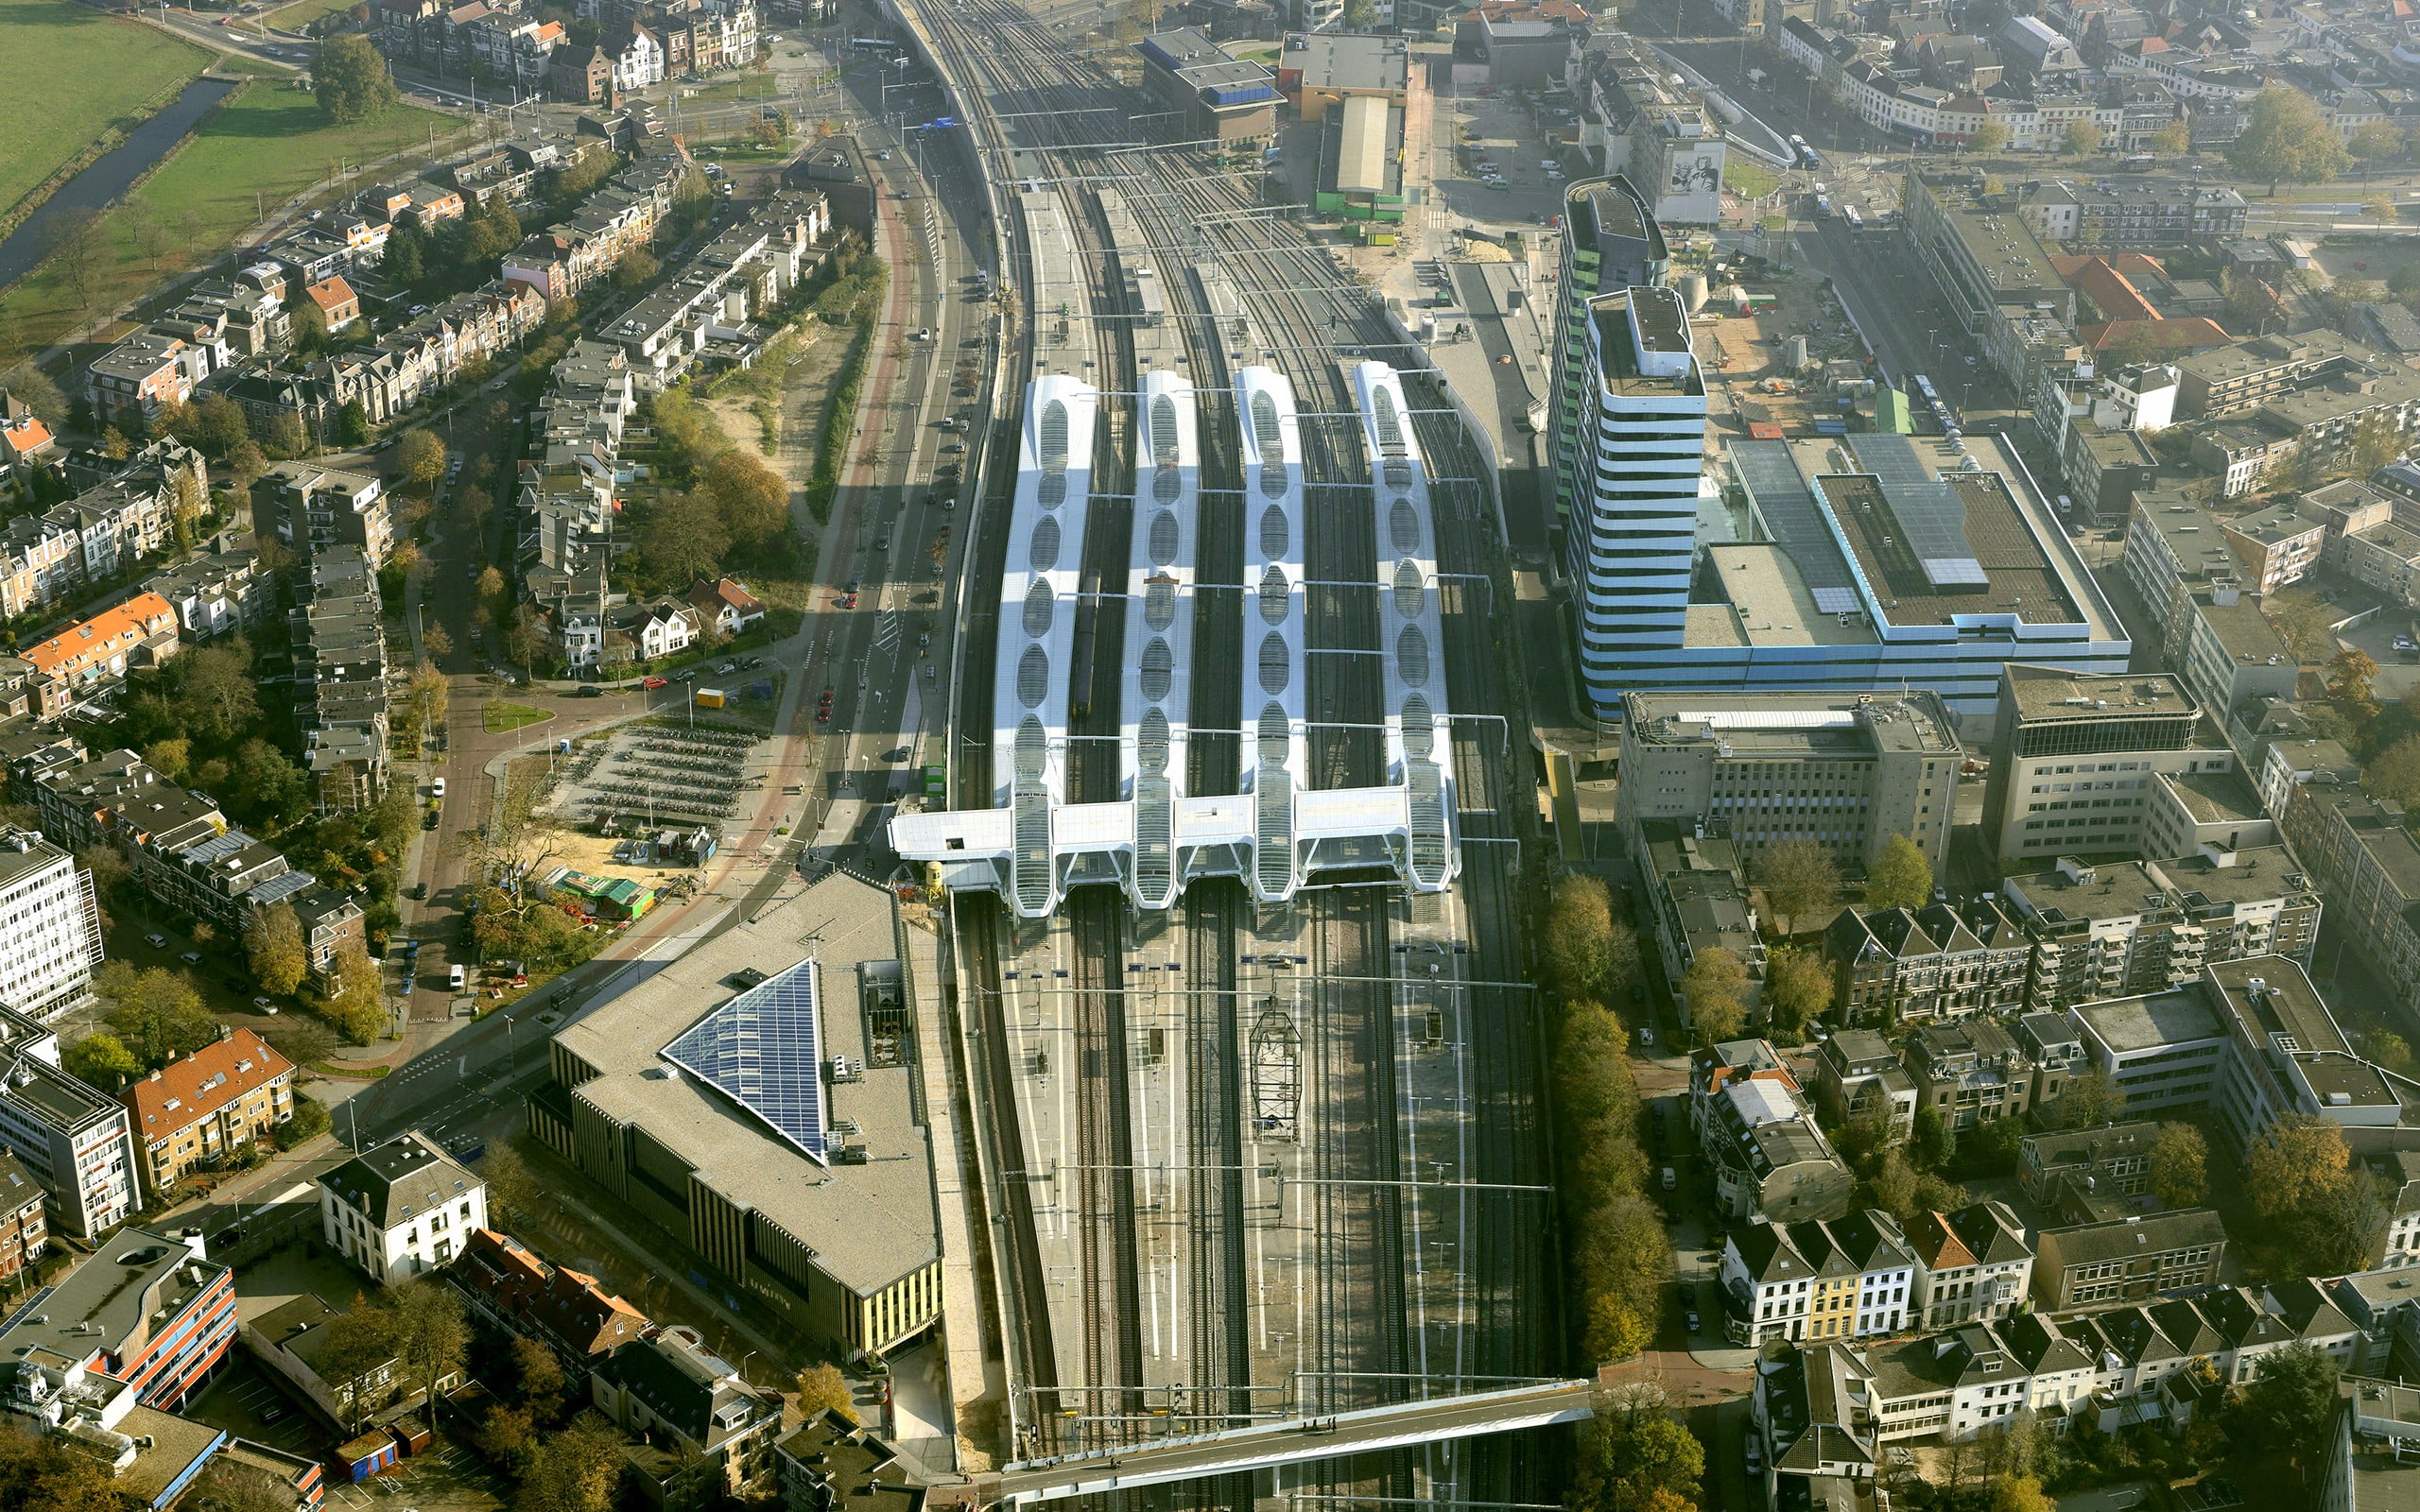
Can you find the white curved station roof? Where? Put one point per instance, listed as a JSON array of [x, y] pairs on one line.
[[1275, 753], [1159, 628]]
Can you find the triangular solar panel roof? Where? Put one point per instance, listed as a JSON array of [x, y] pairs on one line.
[[762, 1051]]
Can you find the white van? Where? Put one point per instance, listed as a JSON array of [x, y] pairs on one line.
[[454, 978]]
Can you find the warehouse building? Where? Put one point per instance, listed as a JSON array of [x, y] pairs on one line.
[[1323, 68], [759, 1104], [1362, 160]]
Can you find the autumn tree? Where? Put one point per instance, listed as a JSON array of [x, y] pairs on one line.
[[822, 1388], [1798, 991], [1632, 1449], [432, 1336], [1799, 878], [577, 1470], [279, 958], [2395, 773], [2019, 1493], [419, 459], [1988, 138], [360, 1342], [1584, 951], [2288, 139], [511, 1188], [2179, 1166], [682, 539], [2173, 139], [2295, 1164], [354, 1010], [1716, 987], [538, 1376], [2080, 139], [1901, 877], [2085, 1102], [2351, 674], [159, 1015], [428, 693], [1906, 1193]]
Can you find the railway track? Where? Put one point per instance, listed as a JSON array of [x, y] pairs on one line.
[[1067, 116]]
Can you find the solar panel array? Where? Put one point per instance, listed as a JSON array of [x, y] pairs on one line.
[[1787, 507], [762, 1050], [1930, 515]]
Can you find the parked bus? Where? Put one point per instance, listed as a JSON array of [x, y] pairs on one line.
[[1856, 222], [874, 44]]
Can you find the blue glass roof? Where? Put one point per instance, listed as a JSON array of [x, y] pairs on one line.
[[761, 1050]]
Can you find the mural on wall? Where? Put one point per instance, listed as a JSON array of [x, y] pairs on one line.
[[1698, 171]]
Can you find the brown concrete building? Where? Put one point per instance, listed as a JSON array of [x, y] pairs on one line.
[[23, 1235], [214, 1102]]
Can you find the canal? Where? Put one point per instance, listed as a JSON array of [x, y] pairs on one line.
[[109, 176]]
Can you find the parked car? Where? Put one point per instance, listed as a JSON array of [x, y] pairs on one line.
[[650, 684], [158, 942], [191, 957]]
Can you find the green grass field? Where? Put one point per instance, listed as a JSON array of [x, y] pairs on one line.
[[302, 12], [1749, 181], [500, 717], [69, 74], [256, 150]]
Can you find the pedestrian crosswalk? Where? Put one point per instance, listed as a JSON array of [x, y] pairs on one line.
[[887, 631]]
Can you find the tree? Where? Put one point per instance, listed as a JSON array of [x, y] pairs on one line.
[[1906, 1193], [2173, 139], [508, 1435], [405, 259], [511, 1186], [432, 1336], [75, 250], [1613, 1331], [102, 1060], [2304, 620], [2178, 1160], [573, 1471], [472, 507], [419, 459], [2350, 675], [2286, 1409], [1798, 877], [538, 1376], [2375, 142], [279, 958], [1716, 985], [2387, 1049], [157, 1014], [106, 865], [1932, 1141], [1633, 1448], [683, 540], [2377, 442], [2080, 139], [1989, 138], [211, 689], [2297, 1161], [2382, 207], [353, 423], [1798, 991], [354, 1010], [352, 80], [524, 639], [636, 271], [2395, 773], [309, 1122], [44, 1474], [37, 391], [244, 466], [428, 693], [309, 325], [435, 640], [822, 1388], [1576, 944], [2288, 139], [361, 1341], [2019, 1493], [2085, 1102], [1901, 877], [754, 499]]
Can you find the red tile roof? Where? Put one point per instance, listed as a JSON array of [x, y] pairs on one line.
[[120, 628], [550, 1299], [185, 1090]]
